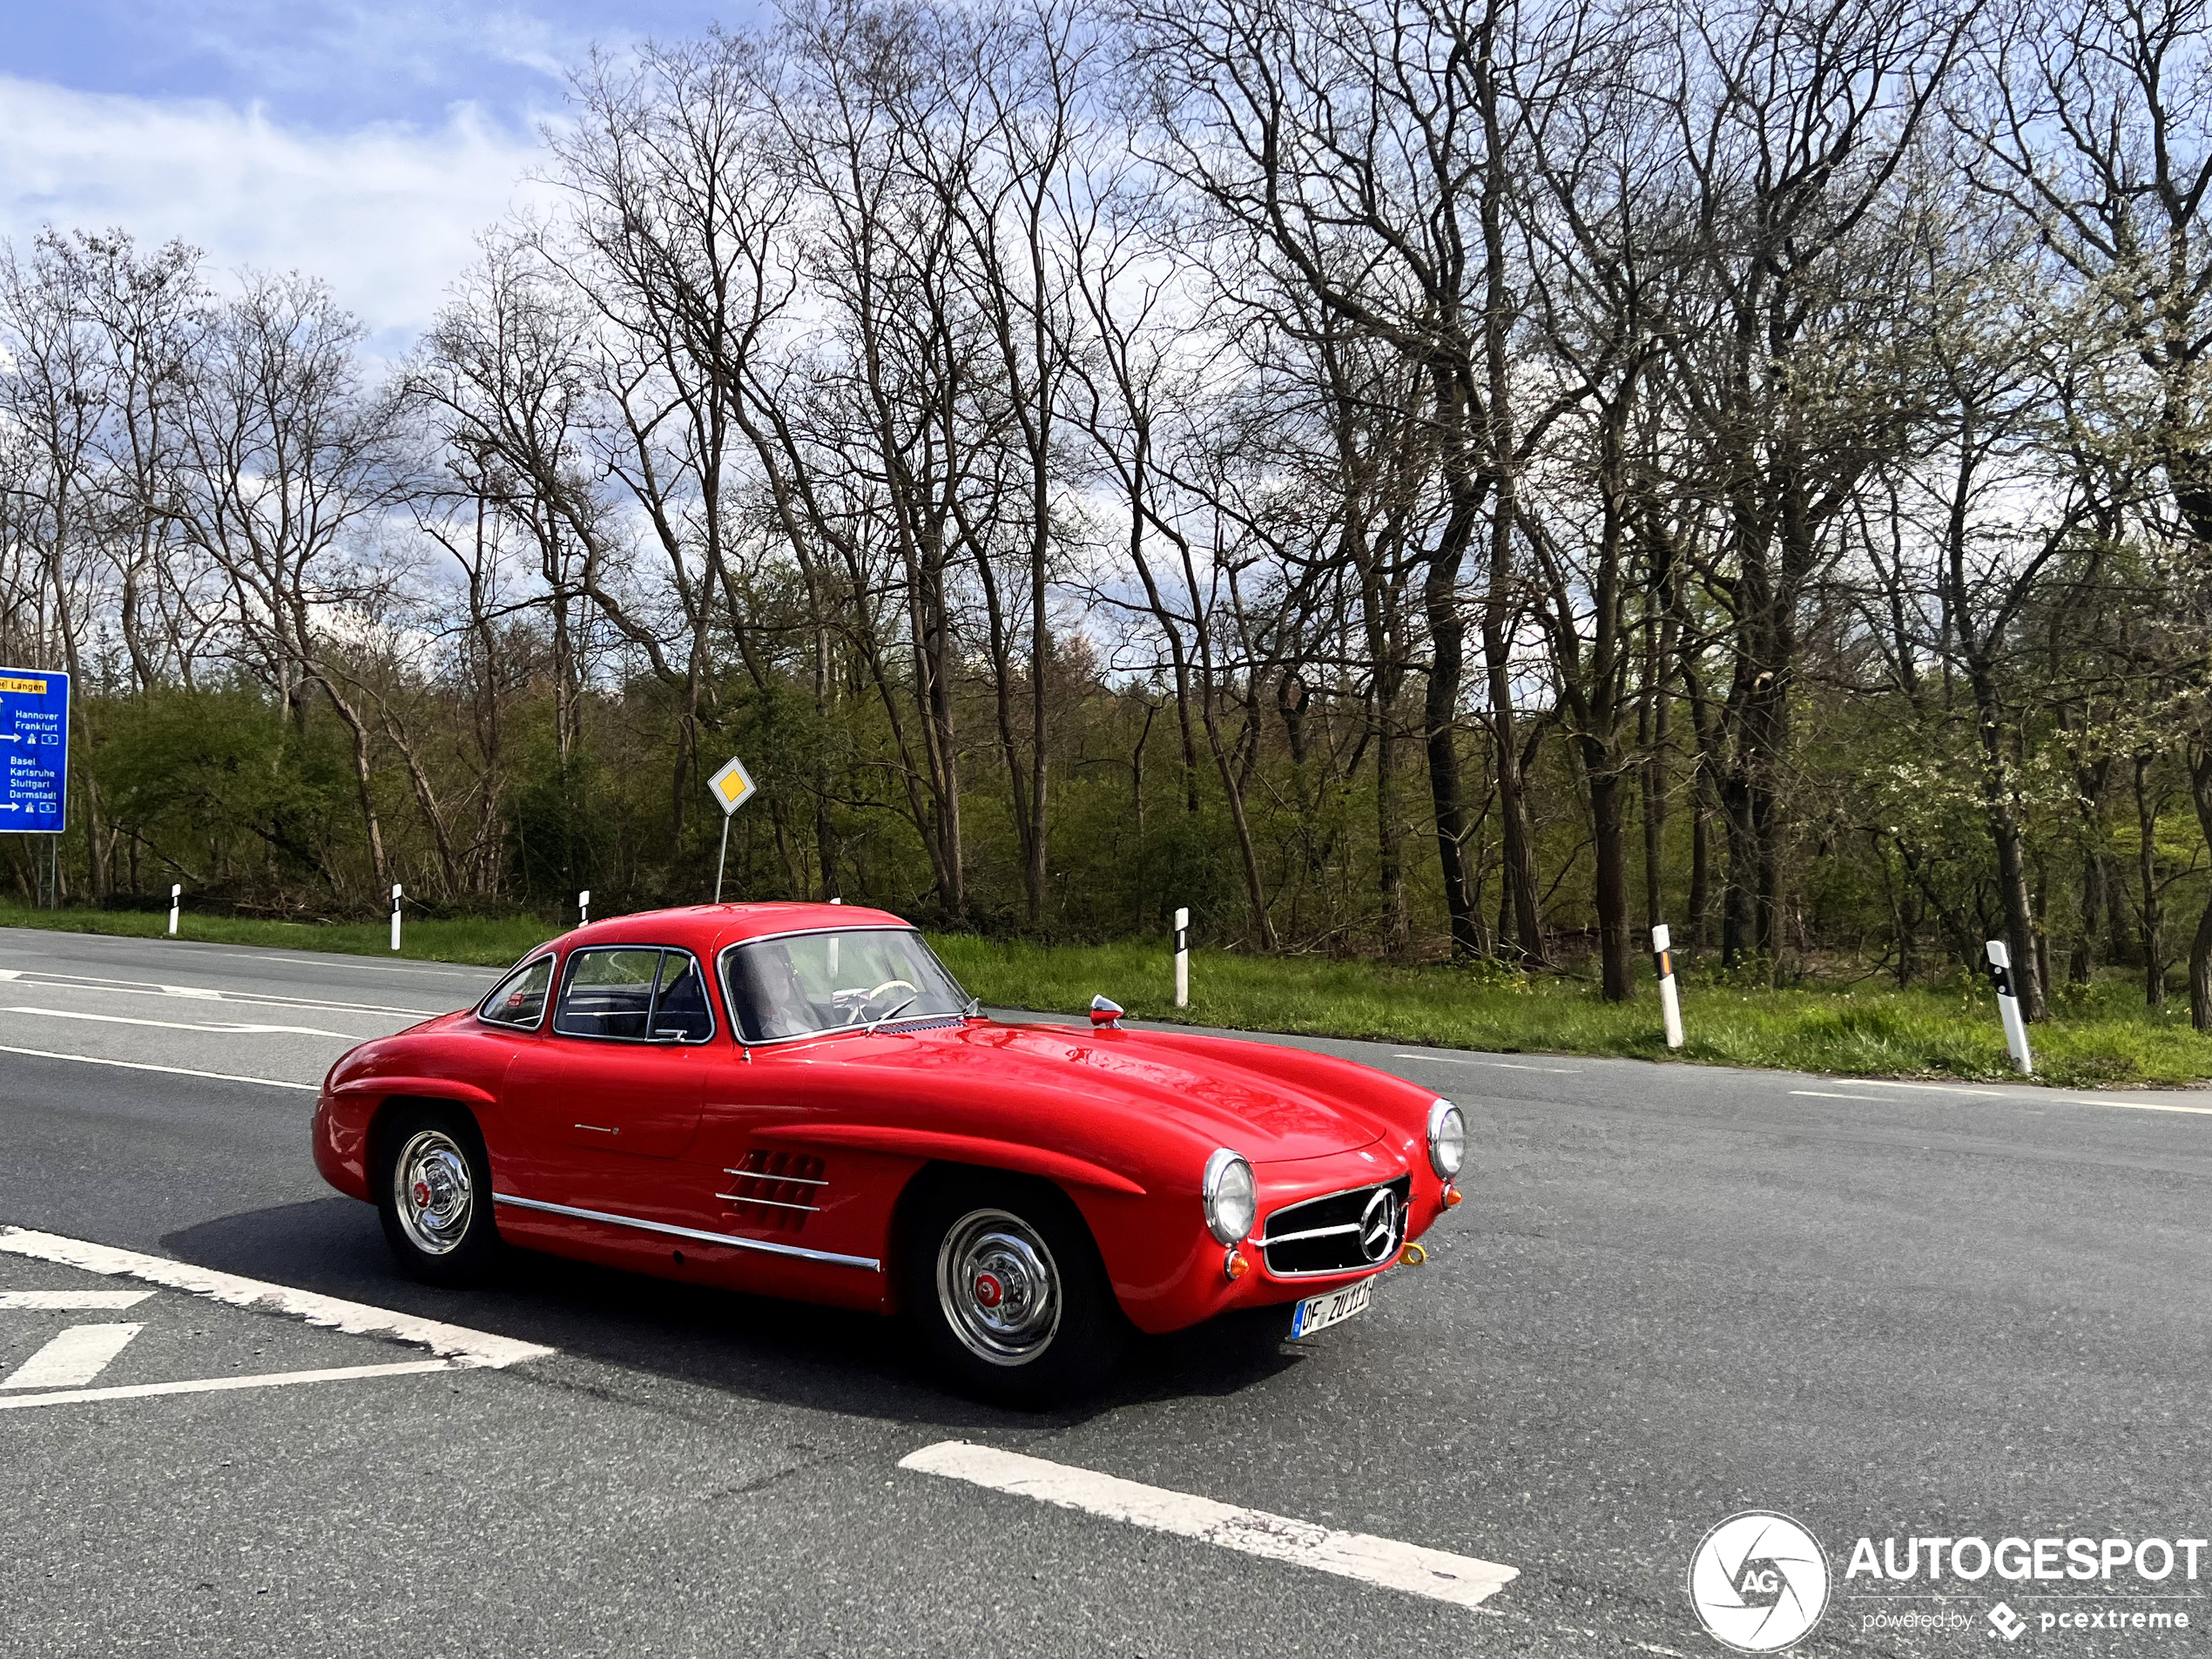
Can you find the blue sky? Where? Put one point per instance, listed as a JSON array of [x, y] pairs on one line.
[[367, 144]]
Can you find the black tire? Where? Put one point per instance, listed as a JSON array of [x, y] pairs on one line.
[[433, 1187], [1001, 1278]]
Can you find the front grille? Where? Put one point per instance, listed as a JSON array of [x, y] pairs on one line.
[[777, 1191], [1342, 1233]]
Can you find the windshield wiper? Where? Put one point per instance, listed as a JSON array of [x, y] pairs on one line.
[[877, 1024]]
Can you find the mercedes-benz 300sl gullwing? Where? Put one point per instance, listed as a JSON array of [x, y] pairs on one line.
[[799, 1100]]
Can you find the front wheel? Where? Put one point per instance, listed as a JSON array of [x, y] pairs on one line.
[[1005, 1288], [434, 1194]]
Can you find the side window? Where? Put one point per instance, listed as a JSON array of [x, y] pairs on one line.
[[608, 993], [680, 1010], [519, 1000], [637, 994]]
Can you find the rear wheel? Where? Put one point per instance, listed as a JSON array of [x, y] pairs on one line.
[[1003, 1282], [433, 1194]]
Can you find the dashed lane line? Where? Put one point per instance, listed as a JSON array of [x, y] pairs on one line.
[[39, 979], [2022, 1096], [1474, 1059], [452, 1342], [1461, 1580], [147, 1065], [223, 1385], [222, 1028]]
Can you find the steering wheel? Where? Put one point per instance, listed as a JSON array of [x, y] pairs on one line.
[[861, 1007]]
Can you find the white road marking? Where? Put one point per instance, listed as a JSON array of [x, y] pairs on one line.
[[484, 974], [40, 979], [221, 1385], [226, 1028], [1823, 1094], [72, 1358], [1461, 1580], [1470, 1060], [174, 1071], [1932, 1088], [2115, 1103], [357, 1319], [73, 1301]]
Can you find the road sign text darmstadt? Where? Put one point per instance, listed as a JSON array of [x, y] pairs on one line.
[[33, 749]]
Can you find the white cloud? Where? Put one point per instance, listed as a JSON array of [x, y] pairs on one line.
[[387, 214]]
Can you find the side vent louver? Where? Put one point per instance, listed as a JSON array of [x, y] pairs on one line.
[[777, 1191]]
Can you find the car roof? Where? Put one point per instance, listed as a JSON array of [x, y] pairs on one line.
[[707, 927]]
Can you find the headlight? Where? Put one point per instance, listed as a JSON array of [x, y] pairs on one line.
[[1231, 1197], [1447, 1139]]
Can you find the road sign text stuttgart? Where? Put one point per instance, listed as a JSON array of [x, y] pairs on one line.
[[33, 749]]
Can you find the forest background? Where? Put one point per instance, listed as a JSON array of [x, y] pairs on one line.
[[1453, 484]]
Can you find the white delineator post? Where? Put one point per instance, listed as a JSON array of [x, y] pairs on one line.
[[1183, 959], [176, 903], [1663, 953], [584, 908], [2009, 1006], [395, 915]]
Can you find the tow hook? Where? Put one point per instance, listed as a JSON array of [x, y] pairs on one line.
[[1412, 1256]]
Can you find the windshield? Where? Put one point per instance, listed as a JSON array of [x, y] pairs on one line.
[[804, 984]]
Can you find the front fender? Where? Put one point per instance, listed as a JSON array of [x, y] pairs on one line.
[[937, 1146]]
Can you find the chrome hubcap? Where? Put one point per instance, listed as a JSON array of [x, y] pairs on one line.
[[434, 1192], [999, 1287]]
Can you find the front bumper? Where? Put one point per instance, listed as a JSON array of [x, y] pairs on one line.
[[1183, 1280]]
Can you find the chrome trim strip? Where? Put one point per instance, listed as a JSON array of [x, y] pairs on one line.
[[773, 1204], [869, 1263], [762, 1175], [1313, 1232], [1364, 1186]]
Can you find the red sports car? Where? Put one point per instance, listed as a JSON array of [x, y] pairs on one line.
[[799, 1100]]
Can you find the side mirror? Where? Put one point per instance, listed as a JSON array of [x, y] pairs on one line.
[[1105, 1014]]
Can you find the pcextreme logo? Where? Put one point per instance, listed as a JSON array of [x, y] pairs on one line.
[[1759, 1581]]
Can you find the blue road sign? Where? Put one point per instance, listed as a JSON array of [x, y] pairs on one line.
[[33, 749]]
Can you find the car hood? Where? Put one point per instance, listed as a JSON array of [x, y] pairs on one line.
[[1265, 1117]]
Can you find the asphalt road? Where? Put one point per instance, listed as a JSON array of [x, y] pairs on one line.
[[1675, 1293]]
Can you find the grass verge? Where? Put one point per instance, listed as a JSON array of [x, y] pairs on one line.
[[2104, 1036]]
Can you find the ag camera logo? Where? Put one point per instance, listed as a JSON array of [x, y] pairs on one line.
[[1759, 1581]]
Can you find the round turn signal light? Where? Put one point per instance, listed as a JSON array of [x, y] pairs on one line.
[[1451, 1197], [1236, 1264]]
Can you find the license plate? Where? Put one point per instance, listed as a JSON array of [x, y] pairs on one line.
[[1319, 1312]]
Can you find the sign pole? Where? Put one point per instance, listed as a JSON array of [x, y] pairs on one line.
[[176, 902], [1663, 954], [1183, 959], [2009, 1006], [731, 787]]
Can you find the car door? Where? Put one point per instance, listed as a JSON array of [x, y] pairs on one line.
[[609, 1095]]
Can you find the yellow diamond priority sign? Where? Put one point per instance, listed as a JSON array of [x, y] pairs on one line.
[[732, 787]]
